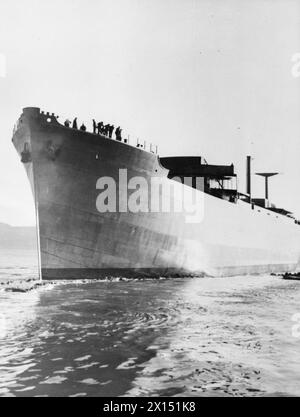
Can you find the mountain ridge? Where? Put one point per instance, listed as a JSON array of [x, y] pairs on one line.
[[17, 237]]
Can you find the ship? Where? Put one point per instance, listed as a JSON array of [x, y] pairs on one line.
[[85, 232]]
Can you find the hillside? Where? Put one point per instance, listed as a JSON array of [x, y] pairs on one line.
[[17, 237]]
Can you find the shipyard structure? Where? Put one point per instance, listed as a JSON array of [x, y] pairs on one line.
[[231, 233]]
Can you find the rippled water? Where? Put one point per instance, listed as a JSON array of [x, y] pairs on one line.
[[229, 336]]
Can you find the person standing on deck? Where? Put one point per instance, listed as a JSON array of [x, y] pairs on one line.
[[100, 127], [94, 126], [111, 130], [74, 126], [118, 133], [106, 130]]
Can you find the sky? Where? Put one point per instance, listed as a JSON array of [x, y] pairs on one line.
[[195, 77]]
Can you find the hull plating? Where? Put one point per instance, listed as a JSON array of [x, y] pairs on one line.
[[76, 241]]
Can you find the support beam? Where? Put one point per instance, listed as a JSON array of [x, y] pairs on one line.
[[248, 176], [267, 175]]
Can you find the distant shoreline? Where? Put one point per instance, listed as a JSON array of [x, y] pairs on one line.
[[17, 237]]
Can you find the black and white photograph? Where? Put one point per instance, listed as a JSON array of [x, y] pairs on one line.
[[149, 201]]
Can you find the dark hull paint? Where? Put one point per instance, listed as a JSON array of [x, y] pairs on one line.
[[142, 273]]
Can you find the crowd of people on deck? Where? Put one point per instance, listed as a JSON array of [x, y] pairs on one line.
[[98, 128], [105, 130]]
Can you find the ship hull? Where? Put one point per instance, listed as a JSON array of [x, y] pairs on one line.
[[78, 241]]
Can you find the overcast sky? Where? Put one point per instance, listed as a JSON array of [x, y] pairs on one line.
[[195, 77]]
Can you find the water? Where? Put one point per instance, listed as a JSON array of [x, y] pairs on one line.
[[177, 337]]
